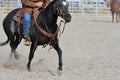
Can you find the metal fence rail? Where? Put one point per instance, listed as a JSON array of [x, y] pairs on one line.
[[89, 6], [75, 6], [8, 5]]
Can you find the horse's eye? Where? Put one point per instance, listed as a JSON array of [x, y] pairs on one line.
[[67, 5]]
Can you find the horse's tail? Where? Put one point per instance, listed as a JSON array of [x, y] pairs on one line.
[[4, 43]]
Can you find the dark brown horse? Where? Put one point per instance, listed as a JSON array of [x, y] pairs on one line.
[[115, 9]]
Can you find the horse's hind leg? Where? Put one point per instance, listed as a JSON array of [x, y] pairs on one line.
[[59, 51], [112, 17], [13, 49], [13, 44], [116, 17]]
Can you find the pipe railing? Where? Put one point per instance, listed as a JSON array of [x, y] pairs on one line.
[[75, 6]]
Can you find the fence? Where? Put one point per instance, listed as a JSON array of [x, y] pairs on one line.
[[89, 6], [75, 6], [7, 5]]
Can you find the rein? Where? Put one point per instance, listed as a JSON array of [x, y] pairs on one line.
[[58, 10], [63, 27], [48, 33]]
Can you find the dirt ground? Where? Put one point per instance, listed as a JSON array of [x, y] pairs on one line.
[[91, 51]]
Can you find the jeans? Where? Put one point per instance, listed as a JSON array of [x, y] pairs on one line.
[[26, 24]]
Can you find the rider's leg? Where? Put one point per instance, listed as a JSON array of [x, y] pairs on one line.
[[26, 25]]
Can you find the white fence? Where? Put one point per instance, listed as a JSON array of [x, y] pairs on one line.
[[75, 6], [89, 6], [8, 5]]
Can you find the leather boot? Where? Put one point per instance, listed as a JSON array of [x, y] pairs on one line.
[[27, 41]]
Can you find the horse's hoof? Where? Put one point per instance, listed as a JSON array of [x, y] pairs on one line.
[[28, 68], [16, 56], [59, 72], [60, 68]]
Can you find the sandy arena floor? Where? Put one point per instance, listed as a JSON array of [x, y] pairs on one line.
[[91, 51]]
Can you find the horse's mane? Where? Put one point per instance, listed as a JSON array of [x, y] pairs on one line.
[[49, 6], [47, 11], [52, 2], [46, 15]]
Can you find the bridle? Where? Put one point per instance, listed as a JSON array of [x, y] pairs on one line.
[[59, 11], [48, 33]]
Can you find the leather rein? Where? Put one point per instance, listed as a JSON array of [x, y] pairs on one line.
[[48, 33]]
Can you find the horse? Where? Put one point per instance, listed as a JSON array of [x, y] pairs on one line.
[[115, 9], [43, 32]]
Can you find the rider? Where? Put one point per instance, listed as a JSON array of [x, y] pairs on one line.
[[28, 6]]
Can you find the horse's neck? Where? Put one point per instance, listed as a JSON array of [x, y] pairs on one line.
[[50, 14]]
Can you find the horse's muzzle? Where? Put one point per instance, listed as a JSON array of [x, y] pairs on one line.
[[67, 18]]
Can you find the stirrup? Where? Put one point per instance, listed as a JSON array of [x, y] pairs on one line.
[[27, 41]]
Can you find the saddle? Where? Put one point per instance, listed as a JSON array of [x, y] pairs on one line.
[[19, 18]]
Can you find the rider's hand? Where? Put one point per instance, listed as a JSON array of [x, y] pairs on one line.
[[35, 9], [39, 4]]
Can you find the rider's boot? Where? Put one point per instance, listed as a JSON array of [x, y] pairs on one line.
[[27, 41]]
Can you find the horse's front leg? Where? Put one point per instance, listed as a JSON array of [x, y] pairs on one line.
[[31, 54], [116, 17], [112, 17], [59, 51]]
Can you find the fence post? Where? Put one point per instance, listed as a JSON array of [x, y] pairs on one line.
[[96, 12], [82, 6]]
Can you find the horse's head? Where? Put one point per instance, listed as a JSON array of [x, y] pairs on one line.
[[61, 7]]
